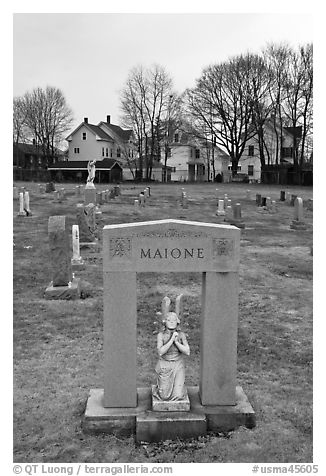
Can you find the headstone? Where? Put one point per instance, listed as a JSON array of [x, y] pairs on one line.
[[258, 199], [248, 194], [117, 190], [15, 193], [49, 187], [282, 196], [21, 212], [76, 259], [170, 246], [41, 188], [62, 285], [228, 214], [112, 193], [225, 200], [293, 198], [61, 194], [237, 218], [141, 199], [288, 197], [78, 190], [26, 204], [229, 203], [220, 210], [99, 199], [268, 202], [149, 191], [103, 196], [136, 206], [86, 223], [298, 222], [56, 196], [310, 204], [273, 207], [263, 201], [184, 200]]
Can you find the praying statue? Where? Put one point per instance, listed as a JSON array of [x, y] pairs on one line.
[[91, 171], [172, 346]]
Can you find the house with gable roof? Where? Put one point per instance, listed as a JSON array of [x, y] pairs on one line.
[[188, 158], [107, 143]]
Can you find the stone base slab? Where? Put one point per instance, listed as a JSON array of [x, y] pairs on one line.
[[239, 224], [149, 425], [170, 406], [64, 292], [94, 245], [77, 264]]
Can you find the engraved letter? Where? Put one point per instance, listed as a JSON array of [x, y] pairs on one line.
[[145, 255]]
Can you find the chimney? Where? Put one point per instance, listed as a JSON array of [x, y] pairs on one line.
[[86, 120], [108, 119]]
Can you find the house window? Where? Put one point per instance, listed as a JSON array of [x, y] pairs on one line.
[[169, 152], [176, 137], [250, 170], [118, 152], [251, 150], [102, 151], [84, 135], [197, 154], [76, 150], [287, 152], [107, 152], [111, 153]]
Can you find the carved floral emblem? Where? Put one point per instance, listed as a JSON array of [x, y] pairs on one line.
[[120, 247], [223, 247]]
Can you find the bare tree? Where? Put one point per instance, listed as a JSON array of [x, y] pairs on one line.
[[143, 100], [223, 101], [47, 117]]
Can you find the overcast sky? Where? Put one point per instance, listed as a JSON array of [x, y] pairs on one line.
[[88, 55]]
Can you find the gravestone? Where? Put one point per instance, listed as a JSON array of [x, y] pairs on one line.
[[263, 201], [149, 191], [268, 203], [237, 218], [112, 193], [21, 212], [99, 200], [310, 204], [184, 200], [26, 204], [62, 194], [298, 222], [76, 260], [258, 199], [78, 190], [282, 196], [225, 200], [62, 285], [136, 206], [86, 223], [103, 197], [273, 207], [220, 210], [288, 197], [49, 187], [170, 246], [248, 194], [141, 199], [293, 198], [117, 190], [56, 196], [228, 214]]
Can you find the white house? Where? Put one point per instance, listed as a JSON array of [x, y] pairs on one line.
[[190, 159], [250, 163], [101, 141]]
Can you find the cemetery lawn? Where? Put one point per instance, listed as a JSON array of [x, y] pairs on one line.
[[58, 349]]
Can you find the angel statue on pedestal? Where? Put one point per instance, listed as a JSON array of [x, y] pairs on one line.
[[172, 346]]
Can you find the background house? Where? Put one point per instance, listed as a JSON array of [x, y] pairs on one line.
[[190, 158], [108, 144]]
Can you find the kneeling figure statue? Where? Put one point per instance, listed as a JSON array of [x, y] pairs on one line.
[[172, 346]]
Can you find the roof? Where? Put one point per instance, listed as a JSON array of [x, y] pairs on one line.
[[105, 164], [294, 131], [124, 134], [99, 132]]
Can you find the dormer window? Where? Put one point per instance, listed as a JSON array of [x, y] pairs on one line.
[[84, 136], [197, 153]]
